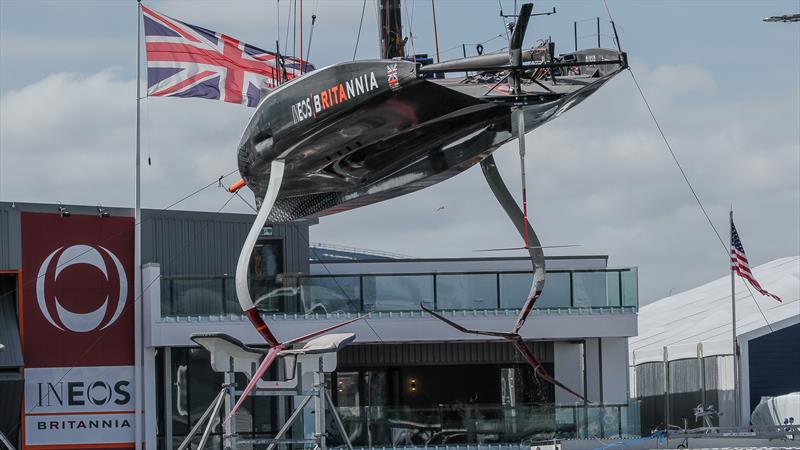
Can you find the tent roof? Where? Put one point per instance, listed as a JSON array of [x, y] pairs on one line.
[[703, 314]]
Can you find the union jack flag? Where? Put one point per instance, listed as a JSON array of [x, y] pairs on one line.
[[741, 266], [391, 73], [185, 60]]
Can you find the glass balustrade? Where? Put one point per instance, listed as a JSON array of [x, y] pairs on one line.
[[332, 294], [394, 426]]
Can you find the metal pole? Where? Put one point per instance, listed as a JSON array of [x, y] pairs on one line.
[[598, 32], [733, 336], [701, 364], [666, 390], [435, 32], [521, 133], [319, 407], [575, 34], [302, 64], [229, 427], [464, 51], [137, 244]]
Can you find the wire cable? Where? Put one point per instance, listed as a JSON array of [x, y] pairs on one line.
[[725, 247], [360, 24]]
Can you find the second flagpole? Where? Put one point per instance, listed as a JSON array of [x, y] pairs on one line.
[[736, 408]]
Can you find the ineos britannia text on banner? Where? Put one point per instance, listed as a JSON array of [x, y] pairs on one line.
[[77, 330]]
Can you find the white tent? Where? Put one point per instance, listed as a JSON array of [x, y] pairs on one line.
[[703, 314], [696, 324]]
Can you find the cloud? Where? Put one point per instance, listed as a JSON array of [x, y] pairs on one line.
[[599, 176]]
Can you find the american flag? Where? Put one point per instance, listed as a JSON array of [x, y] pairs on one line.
[[185, 60], [740, 265]]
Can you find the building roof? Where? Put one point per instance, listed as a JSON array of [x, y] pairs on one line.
[[703, 314]]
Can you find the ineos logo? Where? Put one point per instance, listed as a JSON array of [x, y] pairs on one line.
[[69, 256], [80, 393]]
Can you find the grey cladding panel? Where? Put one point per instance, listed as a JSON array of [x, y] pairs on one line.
[[198, 243], [11, 357], [9, 238], [440, 353], [774, 364]]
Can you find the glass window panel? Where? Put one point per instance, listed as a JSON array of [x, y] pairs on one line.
[[180, 395], [266, 414], [244, 416], [266, 267], [473, 291], [229, 292], [556, 293], [612, 288], [630, 287], [204, 383], [397, 292], [347, 389], [515, 287], [589, 289], [159, 391], [330, 294], [166, 297], [196, 296]]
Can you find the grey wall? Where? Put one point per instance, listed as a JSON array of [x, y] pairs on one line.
[[774, 364], [9, 238], [183, 242], [201, 243]]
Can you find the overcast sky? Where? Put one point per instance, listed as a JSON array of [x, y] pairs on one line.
[[724, 85]]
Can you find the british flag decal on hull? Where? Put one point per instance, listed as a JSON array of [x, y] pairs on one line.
[[185, 60]]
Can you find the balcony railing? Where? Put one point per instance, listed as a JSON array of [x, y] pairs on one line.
[[378, 426], [331, 294]]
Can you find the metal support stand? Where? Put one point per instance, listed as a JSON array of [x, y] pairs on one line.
[[305, 371], [208, 417]]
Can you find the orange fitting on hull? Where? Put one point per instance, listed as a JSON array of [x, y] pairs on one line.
[[236, 186]]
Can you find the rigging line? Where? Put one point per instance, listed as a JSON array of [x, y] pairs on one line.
[[686, 179], [116, 235], [325, 266], [503, 19], [360, 24], [311, 35], [278, 22], [410, 34], [294, 29], [435, 30], [411, 20], [288, 21], [455, 47], [136, 300]]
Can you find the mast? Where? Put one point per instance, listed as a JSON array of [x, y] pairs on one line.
[[390, 27], [137, 246]]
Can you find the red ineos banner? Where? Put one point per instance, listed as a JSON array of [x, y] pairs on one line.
[[77, 326]]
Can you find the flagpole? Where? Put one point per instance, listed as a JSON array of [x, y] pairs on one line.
[[733, 325], [137, 241]]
